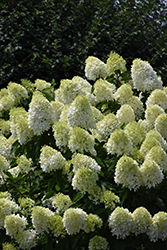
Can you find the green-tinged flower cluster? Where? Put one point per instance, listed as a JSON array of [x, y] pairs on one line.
[[98, 243], [80, 113], [119, 143], [115, 62], [61, 202]]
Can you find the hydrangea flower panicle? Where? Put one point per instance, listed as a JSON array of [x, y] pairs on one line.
[[74, 220], [104, 90], [127, 173], [80, 113], [142, 220], [81, 141], [144, 77], [115, 62], [51, 159], [41, 114], [95, 68], [98, 243], [151, 173], [119, 143], [125, 114], [120, 222], [157, 229]]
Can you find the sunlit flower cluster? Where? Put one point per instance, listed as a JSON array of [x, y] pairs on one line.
[[119, 143], [41, 219], [144, 77], [80, 113], [95, 68], [40, 114], [74, 220], [51, 159]]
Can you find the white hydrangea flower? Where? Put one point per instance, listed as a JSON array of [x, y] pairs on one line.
[[158, 155], [135, 132], [109, 199], [151, 173], [6, 102], [19, 125], [62, 132], [17, 91], [41, 219], [144, 77], [14, 224], [158, 228], [81, 141], [56, 225], [41, 114], [119, 143], [5, 127], [152, 112], [161, 124], [107, 125], [57, 109], [121, 222], [123, 93], [98, 243], [4, 164], [42, 84], [74, 220], [136, 105], [125, 114], [14, 171], [159, 97], [95, 68], [80, 161], [154, 133], [24, 164], [104, 90], [80, 113], [84, 180], [142, 220], [98, 116], [8, 246], [7, 207], [115, 62], [61, 202], [148, 143], [93, 222], [51, 159], [82, 82], [68, 91], [63, 115], [27, 239], [26, 205], [127, 173], [145, 124]]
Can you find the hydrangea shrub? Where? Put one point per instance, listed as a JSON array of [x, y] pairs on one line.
[[84, 166]]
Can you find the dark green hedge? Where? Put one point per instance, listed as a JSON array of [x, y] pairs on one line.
[[50, 39]]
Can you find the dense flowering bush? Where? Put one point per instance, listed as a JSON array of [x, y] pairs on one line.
[[84, 166]]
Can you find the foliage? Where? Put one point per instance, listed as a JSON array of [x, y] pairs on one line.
[[83, 164], [50, 40]]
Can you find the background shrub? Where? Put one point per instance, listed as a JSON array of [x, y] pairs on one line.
[[51, 39]]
